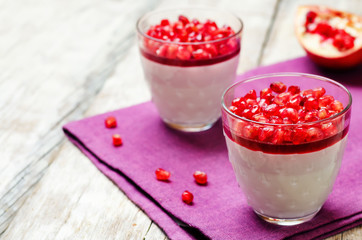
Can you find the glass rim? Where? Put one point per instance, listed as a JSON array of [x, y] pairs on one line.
[[188, 43], [290, 74]]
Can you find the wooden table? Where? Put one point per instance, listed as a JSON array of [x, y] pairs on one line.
[[63, 60]]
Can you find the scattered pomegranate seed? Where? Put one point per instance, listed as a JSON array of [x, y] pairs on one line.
[[110, 122], [200, 177], [278, 87], [187, 197], [117, 140], [162, 174]]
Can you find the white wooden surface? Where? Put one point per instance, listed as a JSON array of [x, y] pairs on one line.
[[62, 60]]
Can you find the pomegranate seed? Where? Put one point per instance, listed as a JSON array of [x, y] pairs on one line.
[[264, 92], [262, 103], [250, 131], [311, 104], [162, 174], [275, 120], [117, 140], [314, 134], [172, 51], [294, 89], [310, 17], [271, 109], [287, 135], [187, 197], [210, 48], [255, 109], [201, 54], [265, 133], [165, 22], [247, 113], [282, 98], [290, 113], [325, 30], [110, 122], [260, 118], [323, 113], [336, 106], [183, 53], [307, 93], [250, 102], [278, 87], [162, 51], [200, 177], [278, 136], [324, 101], [295, 101], [311, 116], [250, 95], [236, 102], [329, 129], [319, 92], [183, 19], [299, 135]]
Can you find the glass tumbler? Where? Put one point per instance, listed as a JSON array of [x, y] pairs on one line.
[[187, 77], [286, 171]]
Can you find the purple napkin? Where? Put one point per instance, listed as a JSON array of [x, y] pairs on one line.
[[219, 210]]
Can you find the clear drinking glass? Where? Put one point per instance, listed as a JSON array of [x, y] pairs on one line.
[[286, 183], [186, 87]]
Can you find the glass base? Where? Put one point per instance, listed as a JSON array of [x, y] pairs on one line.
[[189, 127], [286, 221]]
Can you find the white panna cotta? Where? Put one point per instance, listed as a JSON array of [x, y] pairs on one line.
[[286, 185], [189, 95]]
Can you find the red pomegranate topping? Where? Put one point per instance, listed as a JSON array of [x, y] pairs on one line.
[[117, 140], [200, 177], [110, 122], [162, 174], [286, 107], [186, 31], [187, 197]]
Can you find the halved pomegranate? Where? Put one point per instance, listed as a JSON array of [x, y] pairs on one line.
[[331, 38]]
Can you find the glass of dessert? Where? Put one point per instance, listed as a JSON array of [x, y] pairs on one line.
[[286, 134], [189, 57]]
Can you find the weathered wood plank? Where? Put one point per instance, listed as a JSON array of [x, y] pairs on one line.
[[50, 76]]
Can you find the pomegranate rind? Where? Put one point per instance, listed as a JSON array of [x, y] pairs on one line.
[[338, 59]]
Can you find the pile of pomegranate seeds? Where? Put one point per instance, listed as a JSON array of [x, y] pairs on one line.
[[162, 174], [339, 37], [186, 31], [187, 197], [280, 104]]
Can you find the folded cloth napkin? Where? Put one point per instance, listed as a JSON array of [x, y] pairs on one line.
[[219, 209]]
